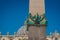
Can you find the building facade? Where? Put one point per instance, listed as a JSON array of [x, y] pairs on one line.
[[52, 36]]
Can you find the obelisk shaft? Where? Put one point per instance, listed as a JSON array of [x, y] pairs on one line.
[[36, 6]]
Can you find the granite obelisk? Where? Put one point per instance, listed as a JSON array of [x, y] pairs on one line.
[[36, 6], [36, 21]]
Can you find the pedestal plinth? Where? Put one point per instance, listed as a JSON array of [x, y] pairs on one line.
[[37, 32]]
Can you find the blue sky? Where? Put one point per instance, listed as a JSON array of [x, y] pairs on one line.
[[13, 13]]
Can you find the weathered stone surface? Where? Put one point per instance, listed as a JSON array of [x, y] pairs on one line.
[[36, 6]]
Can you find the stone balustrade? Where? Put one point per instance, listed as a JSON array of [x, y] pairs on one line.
[[52, 36]]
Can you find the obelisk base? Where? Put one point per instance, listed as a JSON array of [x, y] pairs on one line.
[[37, 32]]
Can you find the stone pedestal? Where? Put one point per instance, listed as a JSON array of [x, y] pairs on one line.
[[37, 32]]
